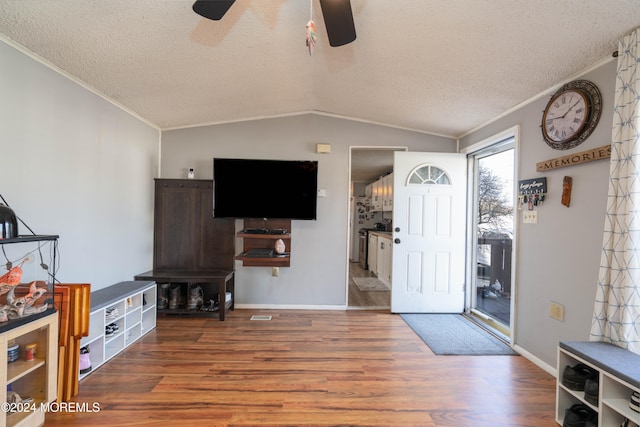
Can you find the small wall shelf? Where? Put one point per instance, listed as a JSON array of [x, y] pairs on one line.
[[265, 239]]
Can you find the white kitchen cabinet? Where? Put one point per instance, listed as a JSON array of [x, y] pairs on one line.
[[372, 257], [377, 196], [384, 259], [387, 202], [380, 255], [380, 193]]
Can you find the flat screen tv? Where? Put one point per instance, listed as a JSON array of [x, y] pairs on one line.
[[271, 189]]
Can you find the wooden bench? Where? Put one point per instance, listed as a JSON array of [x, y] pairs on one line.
[[222, 280]]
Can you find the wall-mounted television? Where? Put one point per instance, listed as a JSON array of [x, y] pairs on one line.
[[271, 189]]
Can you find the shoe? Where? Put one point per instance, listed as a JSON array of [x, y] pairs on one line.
[[580, 415], [634, 403], [163, 296], [591, 391], [13, 398], [85, 361], [575, 377], [111, 313], [174, 297], [111, 329], [215, 306], [487, 293], [210, 305], [196, 298]]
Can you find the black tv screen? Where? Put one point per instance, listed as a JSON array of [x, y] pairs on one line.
[[271, 189]]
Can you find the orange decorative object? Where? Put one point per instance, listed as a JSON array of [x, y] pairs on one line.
[[567, 183], [11, 278]]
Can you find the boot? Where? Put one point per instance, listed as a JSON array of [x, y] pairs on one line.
[[174, 297], [163, 296], [196, 297]]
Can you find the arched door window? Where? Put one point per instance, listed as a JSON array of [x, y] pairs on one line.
[[428, 174]]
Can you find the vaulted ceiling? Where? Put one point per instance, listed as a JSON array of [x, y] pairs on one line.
[[437, 66]]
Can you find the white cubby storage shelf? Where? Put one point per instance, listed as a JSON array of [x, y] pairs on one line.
[[134, 305], [618, 373]]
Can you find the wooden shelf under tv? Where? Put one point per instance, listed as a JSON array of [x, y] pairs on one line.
[[266, 240]]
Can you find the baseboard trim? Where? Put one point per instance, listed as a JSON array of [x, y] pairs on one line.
[[288, 307], [307, 307], [536, 361], [369, 307]]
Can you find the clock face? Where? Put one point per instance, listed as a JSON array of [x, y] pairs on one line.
[[566, 116], [571, 115]]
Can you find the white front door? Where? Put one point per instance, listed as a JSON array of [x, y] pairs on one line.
[[429, 206]]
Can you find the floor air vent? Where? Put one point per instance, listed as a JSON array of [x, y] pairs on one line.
[[260, 317]]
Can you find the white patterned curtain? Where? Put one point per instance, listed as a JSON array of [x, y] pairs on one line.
[[616, 317]]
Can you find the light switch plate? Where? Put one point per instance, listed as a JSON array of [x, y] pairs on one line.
[[530, 217]]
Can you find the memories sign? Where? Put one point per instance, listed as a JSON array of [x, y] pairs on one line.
[[603, 152]]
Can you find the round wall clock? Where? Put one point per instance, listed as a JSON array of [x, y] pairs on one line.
[[571, 114]]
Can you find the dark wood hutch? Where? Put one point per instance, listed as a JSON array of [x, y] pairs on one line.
[[190, 246]]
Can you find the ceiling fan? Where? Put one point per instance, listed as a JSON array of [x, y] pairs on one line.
[[338, 17]]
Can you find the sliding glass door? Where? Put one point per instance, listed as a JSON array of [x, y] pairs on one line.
[[493, 229]]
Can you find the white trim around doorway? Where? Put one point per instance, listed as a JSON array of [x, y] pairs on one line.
[[350, 213]]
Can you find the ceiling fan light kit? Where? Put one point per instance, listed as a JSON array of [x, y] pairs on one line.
[[338, 19]]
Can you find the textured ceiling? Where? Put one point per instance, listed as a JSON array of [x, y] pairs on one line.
[[437, 66]]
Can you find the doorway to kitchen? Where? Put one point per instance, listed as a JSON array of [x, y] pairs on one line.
[[370, 170]]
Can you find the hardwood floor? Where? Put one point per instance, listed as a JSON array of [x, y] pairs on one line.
[[360, 299], [307, 368]]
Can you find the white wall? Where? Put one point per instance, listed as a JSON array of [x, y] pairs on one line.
[[558, 258], [317, 276], [75, 165]]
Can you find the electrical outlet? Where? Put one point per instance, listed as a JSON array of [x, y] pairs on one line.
[[556, 311], [530, 217], [275, 271]]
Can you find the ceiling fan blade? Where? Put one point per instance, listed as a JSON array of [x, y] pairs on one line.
[[338, 19], [212, 9]]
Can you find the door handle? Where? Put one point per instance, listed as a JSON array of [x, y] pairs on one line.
[[396, 241]]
